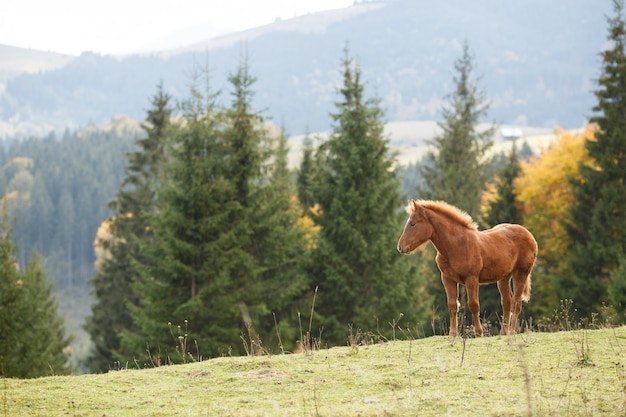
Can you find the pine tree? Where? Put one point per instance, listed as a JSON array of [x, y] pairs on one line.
[[504, 209], [280, 250], [12, 304], [617, 289], [112, 284], [270, 278], [362, 281], [243, 134], [304, 174], [225, 252], [33, 334], [456, 170], [597, 220], [185, 278], [246, 141]]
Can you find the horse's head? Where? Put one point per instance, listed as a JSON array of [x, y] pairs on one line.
[[417, 230]]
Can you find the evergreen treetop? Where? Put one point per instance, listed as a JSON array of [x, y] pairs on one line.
[[597, 220], [33, 339], [226, 251], [455, 171], [135, 198], [504, 209], [304, 174], [362, 281]]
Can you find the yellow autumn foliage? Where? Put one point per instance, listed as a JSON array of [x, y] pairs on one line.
[[104, 238], [544, 191], [21, 162], [102, 235], [306, 224]]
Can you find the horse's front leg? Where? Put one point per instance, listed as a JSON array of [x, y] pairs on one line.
[[452, 294], [471, 285]]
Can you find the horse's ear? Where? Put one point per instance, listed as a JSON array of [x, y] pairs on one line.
[[417, 208]]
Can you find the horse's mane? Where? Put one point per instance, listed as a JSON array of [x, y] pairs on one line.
[[447, 210]]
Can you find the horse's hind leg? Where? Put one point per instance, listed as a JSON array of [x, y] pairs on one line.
[[504, 286], [521, 285]]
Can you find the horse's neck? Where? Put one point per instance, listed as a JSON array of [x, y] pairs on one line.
[[445, 232]]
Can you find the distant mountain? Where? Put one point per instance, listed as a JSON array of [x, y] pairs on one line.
[[182, 38], [312, 23], [537, 61], [15, 61]]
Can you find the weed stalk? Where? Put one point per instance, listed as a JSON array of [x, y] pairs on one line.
[[309, 342], [280, 342]]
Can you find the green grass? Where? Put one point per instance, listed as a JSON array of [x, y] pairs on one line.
[[576, 373]]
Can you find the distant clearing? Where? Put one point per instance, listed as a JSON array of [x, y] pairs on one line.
[[409, 139]]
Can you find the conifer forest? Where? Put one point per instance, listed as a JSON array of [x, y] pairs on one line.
[[189, 235]]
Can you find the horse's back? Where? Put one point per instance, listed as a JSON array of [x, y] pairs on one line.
[[514, 232], [517, 238]]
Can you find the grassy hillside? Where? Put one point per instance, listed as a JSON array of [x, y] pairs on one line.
[[577, 373]]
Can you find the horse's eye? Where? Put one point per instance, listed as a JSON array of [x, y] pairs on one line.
[[412, 224]]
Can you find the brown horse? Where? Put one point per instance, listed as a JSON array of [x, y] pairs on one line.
[[471, 257]]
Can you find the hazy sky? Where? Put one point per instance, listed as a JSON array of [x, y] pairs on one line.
[[121, 26]]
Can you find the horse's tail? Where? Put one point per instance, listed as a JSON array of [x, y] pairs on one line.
[[526, 289], [531, 263]]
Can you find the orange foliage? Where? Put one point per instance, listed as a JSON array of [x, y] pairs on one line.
[[545, 193]]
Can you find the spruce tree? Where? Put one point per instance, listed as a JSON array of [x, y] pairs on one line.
[[184, 277], [304, 174], [112, 284], [270, 278], [280, 251], [33, 334], [597, 220], [246, 141], [504, 209], [456, 170], [362, 281], [617, 289], [225, 252]]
